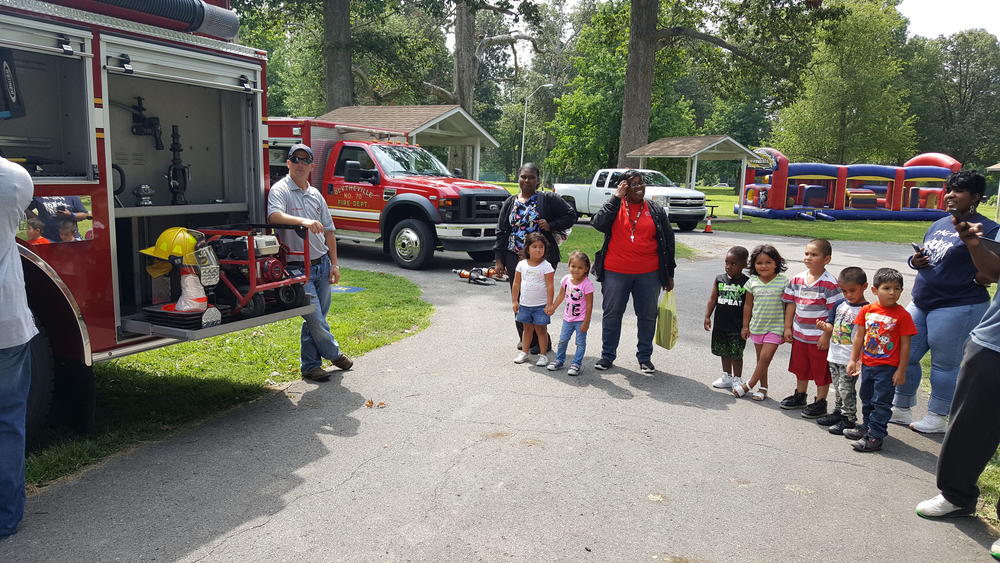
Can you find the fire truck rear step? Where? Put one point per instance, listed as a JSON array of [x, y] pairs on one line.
[[138, 325]]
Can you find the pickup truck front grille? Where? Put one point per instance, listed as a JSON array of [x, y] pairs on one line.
[[481, 206], [687, 202]]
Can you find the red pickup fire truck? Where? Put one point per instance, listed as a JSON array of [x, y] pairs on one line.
[[133, 117], [393, 193]]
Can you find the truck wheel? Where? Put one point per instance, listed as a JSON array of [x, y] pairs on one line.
[[411, 244], [482, 255], [687, 225], [43, 376]]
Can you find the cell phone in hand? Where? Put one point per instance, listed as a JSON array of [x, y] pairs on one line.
[[959, 216], [918, 249]]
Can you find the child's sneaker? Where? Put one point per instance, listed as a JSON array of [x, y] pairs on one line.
[[867, 444], [795, 401], [856, 433], [841, 426], [554, 365], [521, 358], [724, 382], [901, 415], [543, 360], [830, 419], [815, 410], [574, 369]]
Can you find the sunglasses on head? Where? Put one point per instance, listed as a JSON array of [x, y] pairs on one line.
[[298, 159]]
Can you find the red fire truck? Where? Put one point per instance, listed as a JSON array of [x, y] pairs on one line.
[[392, 193], [133, 117]]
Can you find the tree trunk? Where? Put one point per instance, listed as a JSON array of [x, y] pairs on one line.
[[337, 53], [464, 80], [634, 131]]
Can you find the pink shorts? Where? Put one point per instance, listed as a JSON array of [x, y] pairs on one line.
[[767, 338]]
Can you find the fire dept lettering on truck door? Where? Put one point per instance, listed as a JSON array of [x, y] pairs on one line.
[[356, 204]]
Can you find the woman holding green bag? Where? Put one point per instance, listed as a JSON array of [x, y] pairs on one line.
[[637, 259]]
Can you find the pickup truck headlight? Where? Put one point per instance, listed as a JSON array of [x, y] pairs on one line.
[[662, 200]]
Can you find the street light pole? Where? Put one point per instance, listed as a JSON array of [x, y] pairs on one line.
[[524, 124]]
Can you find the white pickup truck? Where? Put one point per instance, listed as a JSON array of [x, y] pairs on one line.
[[684, 206]]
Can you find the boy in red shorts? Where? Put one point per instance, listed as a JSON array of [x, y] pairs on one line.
[[809, 296]]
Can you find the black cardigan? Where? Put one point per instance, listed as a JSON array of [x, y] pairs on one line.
[[605, 219], [554, 209]]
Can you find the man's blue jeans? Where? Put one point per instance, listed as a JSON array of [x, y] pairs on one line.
[[317, 340], [568, 328], [15, 379], [615, 291], [944, 332], [875, 393]]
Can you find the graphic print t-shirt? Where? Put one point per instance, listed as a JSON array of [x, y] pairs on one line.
[[533, 293], [843, 331], [883, 328], [728, 317], [576, 298]]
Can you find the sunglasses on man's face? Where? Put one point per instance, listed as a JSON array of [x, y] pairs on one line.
[[298, 159]]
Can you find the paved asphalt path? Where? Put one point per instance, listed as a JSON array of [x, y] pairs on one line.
[[475, 457]]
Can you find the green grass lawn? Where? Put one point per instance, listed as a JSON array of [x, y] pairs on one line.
[[146, 396], [887, 231]]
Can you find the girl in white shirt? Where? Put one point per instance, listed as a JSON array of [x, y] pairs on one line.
[[531, 293]]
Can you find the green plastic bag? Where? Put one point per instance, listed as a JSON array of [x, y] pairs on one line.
[[666, 322]]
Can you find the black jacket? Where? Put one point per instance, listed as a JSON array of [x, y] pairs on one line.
[[554, 209], [605, 218]]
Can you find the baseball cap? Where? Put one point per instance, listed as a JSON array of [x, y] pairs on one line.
[[300, 147]]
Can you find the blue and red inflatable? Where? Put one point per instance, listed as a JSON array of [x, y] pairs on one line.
[[781, 189]]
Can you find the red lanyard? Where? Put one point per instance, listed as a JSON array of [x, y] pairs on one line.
[[633, 223]]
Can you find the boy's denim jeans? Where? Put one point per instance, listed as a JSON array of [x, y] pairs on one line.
[[876, 398], [568, 328], [317, 340], [943, 331], [15, 379]]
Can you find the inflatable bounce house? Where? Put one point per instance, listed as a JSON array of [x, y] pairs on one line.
[[778, 189]]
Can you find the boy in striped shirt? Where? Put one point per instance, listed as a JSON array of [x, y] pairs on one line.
[[808, 297]]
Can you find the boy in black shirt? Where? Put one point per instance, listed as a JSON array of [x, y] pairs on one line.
[[726, 301]]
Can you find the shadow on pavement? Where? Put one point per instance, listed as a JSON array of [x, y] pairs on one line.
[[194, 506]]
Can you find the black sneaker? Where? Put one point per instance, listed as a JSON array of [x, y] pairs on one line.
[[602, 364], [867, 444], [856, 433], [815, 410], [830, 419], [647, 367], [841, 426], [795, 401]]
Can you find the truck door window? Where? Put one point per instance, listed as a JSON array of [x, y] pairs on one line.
[[44, 122], [601, 179], [352, 153], [616, 177]]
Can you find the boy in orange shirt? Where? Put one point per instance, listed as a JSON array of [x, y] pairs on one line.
[[885, 338]]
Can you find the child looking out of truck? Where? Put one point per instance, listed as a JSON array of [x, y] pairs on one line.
[[531, 294]]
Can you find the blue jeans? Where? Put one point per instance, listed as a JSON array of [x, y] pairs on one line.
[[568, 328], [944, 332], [644, 289], [876, 398], [15, 379], [317, 340]]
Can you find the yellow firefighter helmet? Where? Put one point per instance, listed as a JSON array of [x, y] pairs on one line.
[[176, 242]]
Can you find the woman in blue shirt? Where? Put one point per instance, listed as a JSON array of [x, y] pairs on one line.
[[949, 298]]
